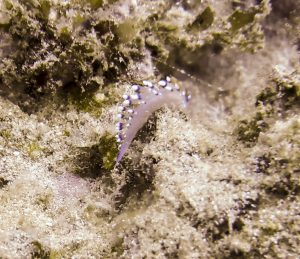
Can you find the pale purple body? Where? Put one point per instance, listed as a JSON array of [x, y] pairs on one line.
[[152, 102]]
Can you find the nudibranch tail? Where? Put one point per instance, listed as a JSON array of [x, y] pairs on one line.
[[137, 108]]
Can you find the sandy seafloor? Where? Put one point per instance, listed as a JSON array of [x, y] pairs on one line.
[[219, 179]]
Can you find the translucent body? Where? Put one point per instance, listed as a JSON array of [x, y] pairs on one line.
[[152, 100]]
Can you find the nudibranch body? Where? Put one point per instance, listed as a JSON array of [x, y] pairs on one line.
[[138, 106]]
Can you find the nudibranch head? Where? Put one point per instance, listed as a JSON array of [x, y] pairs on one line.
[[137, 107]]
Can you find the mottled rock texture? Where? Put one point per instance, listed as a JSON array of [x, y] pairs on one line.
[[221, 181]]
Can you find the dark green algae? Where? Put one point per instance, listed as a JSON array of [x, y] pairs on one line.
[[49, 62]]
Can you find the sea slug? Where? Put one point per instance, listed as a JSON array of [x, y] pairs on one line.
[[138, 106]]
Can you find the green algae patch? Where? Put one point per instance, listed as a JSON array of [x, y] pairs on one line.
[[6, 134], [109, 150], [127, 30], [89, 104], [204, 20], [94, 103], [117, 248], [166, 27], [43, 200], [66, 133], [39, 251], [44, 8], [95, 4], [96, 160], [249, 130], [156, 47], [3, 182], [241, 18], [65, 35], [34, 150]]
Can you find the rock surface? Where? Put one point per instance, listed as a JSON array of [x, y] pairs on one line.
[[219, 182]]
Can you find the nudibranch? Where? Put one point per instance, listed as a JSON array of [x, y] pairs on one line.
[[141, 103]]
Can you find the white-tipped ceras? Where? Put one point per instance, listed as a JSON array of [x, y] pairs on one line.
[[138, 106]]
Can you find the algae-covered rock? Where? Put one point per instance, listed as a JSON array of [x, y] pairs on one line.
[[204, 20], [57, 56], [282, 97]]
